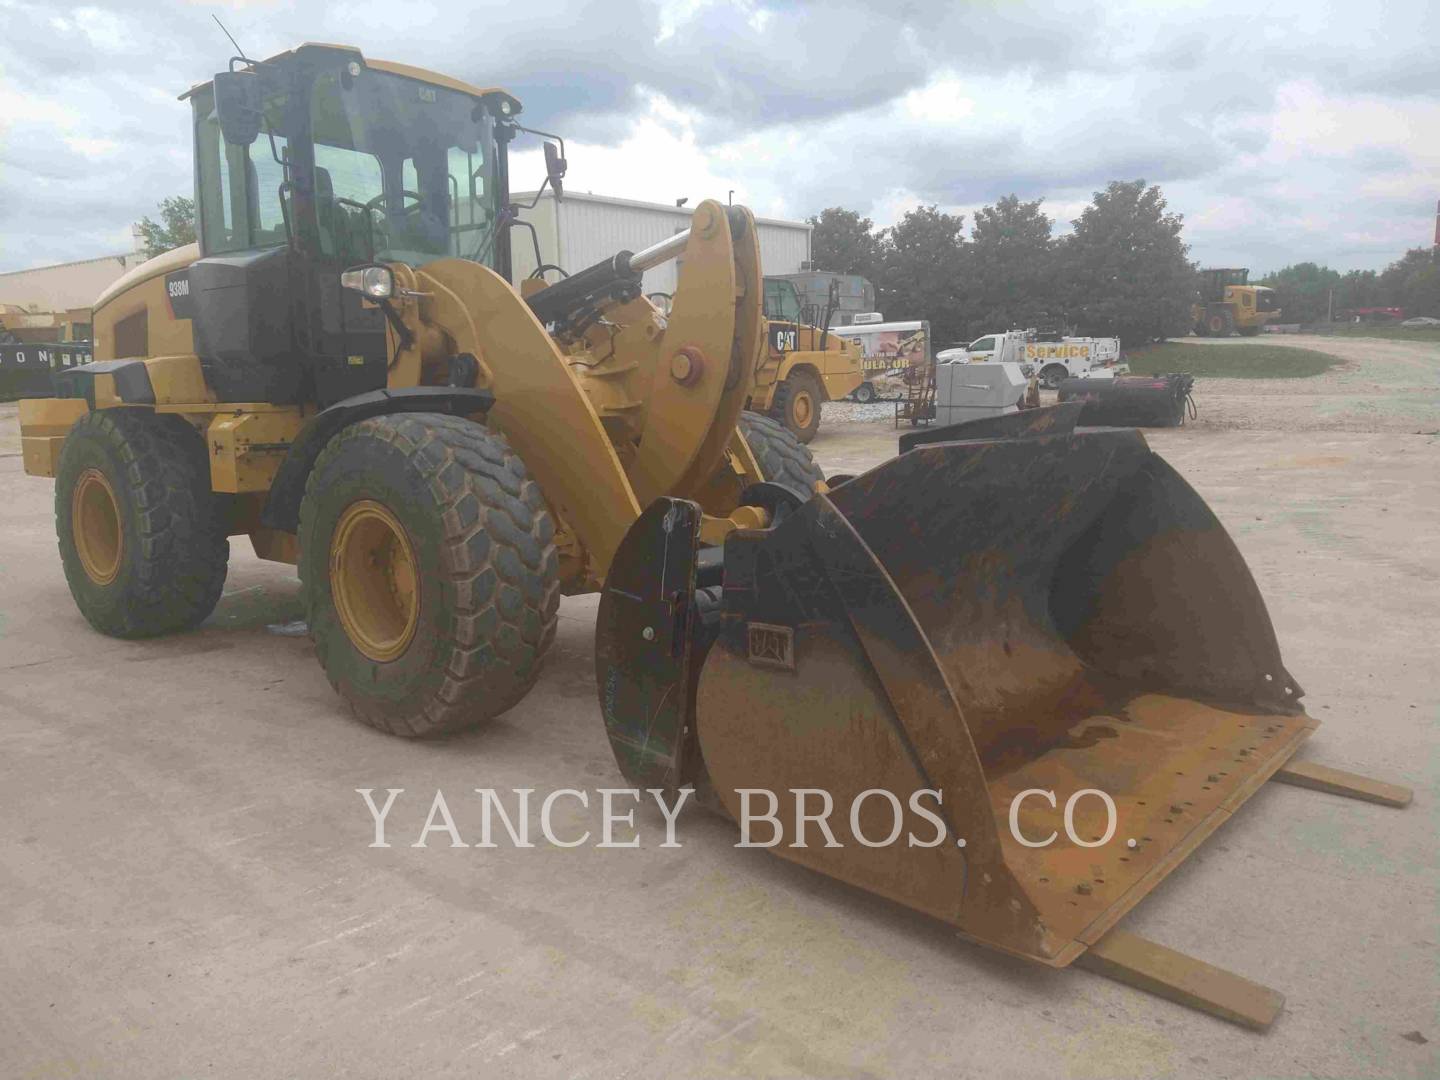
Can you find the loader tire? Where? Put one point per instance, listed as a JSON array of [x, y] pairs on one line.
[[142, 536], [1220, 324], [797, 405], [782, 457], [429, 571]]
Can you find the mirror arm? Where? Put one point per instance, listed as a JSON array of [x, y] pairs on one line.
[[534, 239]]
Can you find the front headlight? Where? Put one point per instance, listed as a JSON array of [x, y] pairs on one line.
[[374, 282]]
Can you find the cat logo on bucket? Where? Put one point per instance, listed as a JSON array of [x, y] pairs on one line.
[[772, 646]]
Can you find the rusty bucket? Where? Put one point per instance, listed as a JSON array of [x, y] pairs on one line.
[[1052, 611]]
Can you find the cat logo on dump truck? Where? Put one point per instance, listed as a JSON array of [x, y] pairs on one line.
[[783, 339]]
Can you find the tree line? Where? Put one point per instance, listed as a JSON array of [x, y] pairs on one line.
[[1310, 293], [1124, 269]]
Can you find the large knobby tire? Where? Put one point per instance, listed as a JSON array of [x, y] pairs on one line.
[[797, 404], [1220, 324], [429, 569], [783, 459], [142, 536]]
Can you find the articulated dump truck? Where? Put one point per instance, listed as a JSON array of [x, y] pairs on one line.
[[1009, 612]]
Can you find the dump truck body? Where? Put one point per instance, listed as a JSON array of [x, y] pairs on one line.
[[803, 365]]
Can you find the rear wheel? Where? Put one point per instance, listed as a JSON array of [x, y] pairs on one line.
[[429, 570], [1220, 324], [1053, 376], [783, 459], [142, 536], [864, 393], [797, 405], [1249, 331]]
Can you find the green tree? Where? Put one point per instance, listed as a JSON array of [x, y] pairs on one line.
[[1011, 254], [1358, 289], [175, 229], [1412, 282], [1126, 269], [925, 259], [843, 242], [1302, 292]]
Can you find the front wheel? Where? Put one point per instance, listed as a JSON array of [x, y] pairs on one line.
[[430, 572], [797, 405], [142, 536], [783, 459]]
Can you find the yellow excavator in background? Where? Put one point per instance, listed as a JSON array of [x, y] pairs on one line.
[[341, 371]]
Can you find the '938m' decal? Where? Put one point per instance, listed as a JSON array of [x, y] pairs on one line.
[[177, 291]]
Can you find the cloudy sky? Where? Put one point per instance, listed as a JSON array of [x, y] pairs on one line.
[[1284, 131]]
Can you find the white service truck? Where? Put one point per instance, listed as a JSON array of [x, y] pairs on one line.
[[1055, 360]]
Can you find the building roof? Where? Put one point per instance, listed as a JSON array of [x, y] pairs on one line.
[[121, 257], [679, 211]]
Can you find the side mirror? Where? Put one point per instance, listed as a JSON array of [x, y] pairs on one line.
[[237, 105], [555, 169]]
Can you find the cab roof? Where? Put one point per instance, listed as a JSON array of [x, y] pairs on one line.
[[434, 78]]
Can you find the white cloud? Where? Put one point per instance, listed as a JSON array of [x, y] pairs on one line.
[[1303, 130]]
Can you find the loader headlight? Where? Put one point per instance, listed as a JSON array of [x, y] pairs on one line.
[[373, 281]]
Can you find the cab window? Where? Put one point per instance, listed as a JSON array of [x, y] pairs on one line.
[[984, 344], [781, 301]]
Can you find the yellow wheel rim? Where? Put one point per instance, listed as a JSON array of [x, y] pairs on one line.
[[95, 523], [373, 580], [802, 408]]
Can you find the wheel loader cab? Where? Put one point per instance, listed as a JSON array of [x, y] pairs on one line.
[[307, 164]]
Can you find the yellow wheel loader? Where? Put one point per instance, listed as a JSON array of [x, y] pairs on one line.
[[1229, 304], [802, 365], [340, 370], [1011, 616]]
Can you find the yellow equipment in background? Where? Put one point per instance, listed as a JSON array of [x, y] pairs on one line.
[[803, 364], [1229, 304]]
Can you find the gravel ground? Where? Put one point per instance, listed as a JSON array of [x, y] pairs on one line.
[[850, 412], [189, 887], [1380, 386]]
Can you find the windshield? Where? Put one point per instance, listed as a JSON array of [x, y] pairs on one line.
[[781, 301], [404, 171]]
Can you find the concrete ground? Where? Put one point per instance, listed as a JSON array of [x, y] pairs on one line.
[[188, 889]]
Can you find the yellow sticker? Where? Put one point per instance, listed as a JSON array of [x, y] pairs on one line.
[[356, 361]]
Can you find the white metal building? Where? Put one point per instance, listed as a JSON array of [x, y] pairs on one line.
[[583, 229]]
